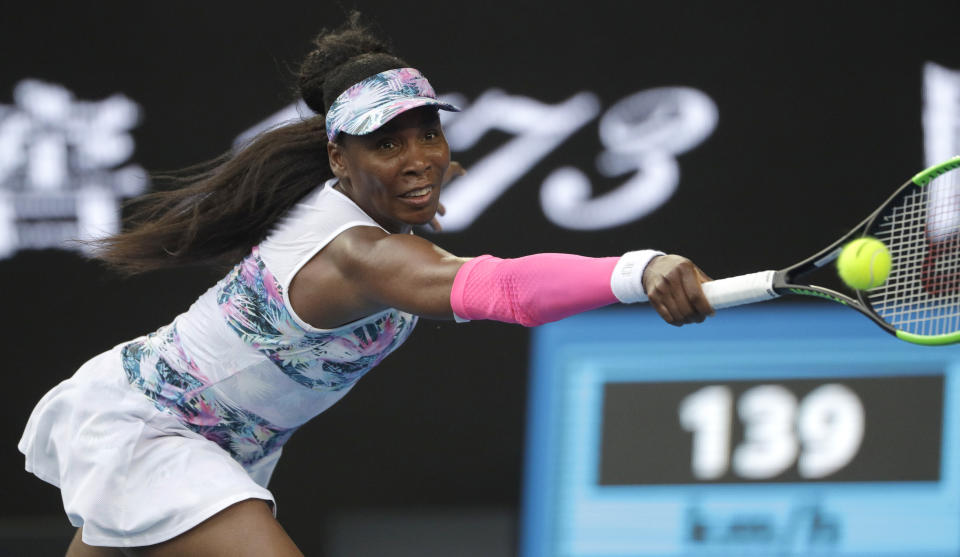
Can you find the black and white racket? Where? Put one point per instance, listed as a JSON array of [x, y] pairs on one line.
[[920, 300]]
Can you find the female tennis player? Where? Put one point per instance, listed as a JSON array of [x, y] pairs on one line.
[[164, 445]]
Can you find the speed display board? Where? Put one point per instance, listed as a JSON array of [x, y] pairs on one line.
[[770, 430]]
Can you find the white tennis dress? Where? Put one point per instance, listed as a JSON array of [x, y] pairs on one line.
[[151, 438]]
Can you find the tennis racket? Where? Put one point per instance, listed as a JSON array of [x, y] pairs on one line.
[[920, 301]]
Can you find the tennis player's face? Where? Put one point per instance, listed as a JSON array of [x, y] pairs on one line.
[[394, 173]]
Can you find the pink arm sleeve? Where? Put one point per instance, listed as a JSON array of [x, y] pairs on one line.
[[532, 290]]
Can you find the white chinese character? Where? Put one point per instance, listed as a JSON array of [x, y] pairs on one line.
[[60, 178]]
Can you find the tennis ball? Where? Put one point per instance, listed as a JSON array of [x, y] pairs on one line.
[[864, 263]]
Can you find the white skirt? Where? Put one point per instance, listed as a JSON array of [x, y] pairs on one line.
[[130, 474]]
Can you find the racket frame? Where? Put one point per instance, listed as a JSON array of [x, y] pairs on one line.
[[784, 280]]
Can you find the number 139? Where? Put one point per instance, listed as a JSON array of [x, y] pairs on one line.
[[822, 433]]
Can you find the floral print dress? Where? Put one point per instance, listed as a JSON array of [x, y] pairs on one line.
[[240, 369]]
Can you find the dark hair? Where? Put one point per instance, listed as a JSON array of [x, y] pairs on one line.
[[218, 210]]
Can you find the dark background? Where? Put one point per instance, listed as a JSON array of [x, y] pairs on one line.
[[819, 118]]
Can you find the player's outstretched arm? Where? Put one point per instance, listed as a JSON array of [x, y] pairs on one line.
[[371, 270]]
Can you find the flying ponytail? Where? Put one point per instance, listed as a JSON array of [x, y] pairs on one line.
[[217, 211]]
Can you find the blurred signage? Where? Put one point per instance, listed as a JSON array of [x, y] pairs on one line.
[[941, 141], [62, 171], [641, 136], [64, 162], [941, 113]]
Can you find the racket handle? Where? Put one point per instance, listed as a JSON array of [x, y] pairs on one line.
[[744, 289]]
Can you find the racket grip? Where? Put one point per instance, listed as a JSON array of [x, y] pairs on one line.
[[737, 291]]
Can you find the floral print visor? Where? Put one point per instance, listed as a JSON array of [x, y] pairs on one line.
[[376, 100]]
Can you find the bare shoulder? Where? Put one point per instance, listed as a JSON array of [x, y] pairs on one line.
[[365, 270], [322, 292], [365, 252], [354, 246]]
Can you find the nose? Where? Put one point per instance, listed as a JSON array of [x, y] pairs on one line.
[[417, 160]]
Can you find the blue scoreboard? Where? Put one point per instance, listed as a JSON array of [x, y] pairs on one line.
[[775, 430]]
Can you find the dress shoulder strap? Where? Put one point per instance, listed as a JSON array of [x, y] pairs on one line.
[[307, 228]]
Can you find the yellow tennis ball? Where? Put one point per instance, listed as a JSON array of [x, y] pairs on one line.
[[864, 263]]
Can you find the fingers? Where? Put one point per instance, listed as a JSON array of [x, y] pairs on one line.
[[675, 305], [434, 222], [673, 286], [455, 169], [694, 292]]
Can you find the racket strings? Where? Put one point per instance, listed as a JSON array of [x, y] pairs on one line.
[[922, 231]]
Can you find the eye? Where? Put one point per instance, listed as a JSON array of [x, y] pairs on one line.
[[386, 144], [431, 134]]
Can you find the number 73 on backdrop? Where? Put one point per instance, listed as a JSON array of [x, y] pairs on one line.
[[641, 134]]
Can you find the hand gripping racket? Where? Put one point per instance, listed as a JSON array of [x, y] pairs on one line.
[[920, 301]]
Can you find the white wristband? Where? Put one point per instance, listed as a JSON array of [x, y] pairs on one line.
[[627, 278]]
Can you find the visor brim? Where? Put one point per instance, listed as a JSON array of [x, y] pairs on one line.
[[374, 119]]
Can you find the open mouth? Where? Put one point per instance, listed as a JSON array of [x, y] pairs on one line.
[[418, 192]]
